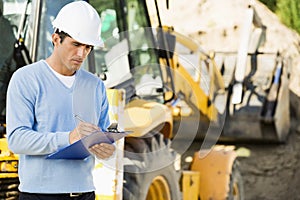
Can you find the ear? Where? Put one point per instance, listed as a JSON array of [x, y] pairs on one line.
[[55, 39]]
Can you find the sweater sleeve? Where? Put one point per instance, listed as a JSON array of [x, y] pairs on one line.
[[22, 138]]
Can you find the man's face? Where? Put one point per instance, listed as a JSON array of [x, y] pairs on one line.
[[71, 54]]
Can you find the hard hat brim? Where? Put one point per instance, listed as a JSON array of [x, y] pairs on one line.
[[95, 43]]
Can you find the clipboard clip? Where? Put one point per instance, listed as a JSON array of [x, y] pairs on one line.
[[113, 128]]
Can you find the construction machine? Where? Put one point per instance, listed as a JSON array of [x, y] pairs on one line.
[[251, 86], [174, 92]]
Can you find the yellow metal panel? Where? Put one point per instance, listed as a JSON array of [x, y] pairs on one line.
[[190, 185], [8, 175], [215, 169], [142, 116]]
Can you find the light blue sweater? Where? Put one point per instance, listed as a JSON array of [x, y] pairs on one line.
[[40, 115]]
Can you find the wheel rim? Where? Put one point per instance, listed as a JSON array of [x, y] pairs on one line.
[[159, 189]]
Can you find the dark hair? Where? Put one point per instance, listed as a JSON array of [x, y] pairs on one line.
[[62, 35]]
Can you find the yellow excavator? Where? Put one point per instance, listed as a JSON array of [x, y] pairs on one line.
[[249, 87], [177, 99]]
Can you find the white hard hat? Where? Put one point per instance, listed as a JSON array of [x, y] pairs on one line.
[[81, 21]]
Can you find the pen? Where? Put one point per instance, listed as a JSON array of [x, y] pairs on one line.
[[77, 117]]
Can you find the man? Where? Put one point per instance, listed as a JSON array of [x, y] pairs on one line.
[[43, 99]]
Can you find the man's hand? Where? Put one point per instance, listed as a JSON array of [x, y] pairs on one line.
[[103, 150], [82, 130]]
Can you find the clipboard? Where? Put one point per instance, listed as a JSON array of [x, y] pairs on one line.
[[79, 149]]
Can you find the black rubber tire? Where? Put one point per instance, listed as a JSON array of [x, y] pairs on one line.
[[236, 185], [151, 157]]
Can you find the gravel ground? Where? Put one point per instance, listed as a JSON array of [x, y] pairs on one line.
[[272, 170]]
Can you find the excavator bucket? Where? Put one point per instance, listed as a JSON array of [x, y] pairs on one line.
[[263, 112], [257, 86]]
